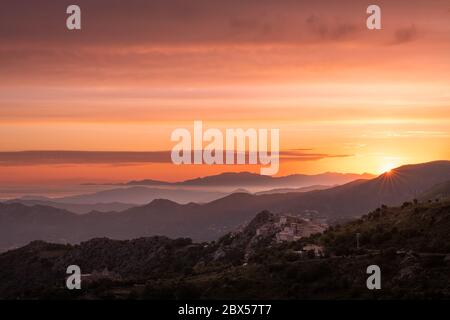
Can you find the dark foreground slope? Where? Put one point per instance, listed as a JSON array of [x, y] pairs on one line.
[[409, 243]]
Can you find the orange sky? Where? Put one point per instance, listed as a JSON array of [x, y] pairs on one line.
[[363, 100]]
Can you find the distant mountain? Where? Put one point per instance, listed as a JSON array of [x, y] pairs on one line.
[[199, 190], [289, 190], [240, 190], [119, 199], [74, 207], [148, 182], [142, 195], [259, 182], [20, 224]]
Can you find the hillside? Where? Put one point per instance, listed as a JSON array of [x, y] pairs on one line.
[[410, 243], [421, 227], [440, 191]]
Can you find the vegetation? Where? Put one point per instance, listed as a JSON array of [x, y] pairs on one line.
[[410, 243]]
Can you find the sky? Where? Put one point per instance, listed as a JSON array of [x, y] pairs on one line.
[[345, 98]]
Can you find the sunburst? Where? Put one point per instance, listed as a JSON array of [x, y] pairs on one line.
[[387, 167]]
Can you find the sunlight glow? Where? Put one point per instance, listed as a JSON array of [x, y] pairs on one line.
[[387, 167]]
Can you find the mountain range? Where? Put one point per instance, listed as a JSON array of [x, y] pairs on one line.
[[201, 190], [410, 243], [20, 224], [78, 208], [256, 182]]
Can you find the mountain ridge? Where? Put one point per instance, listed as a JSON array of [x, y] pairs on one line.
[[246, 178], [410, 243], [211, 220]]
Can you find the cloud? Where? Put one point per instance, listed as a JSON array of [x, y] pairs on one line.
[[330, 31], [257, 29], [52, 157], [175, 22], [404, 35], [26, 158], [296, 155]]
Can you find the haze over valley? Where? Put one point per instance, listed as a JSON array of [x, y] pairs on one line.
[[27, 220]]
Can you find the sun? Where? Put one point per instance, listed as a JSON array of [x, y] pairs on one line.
[[387, 167]]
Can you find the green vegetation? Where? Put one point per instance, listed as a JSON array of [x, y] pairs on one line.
[[410, 243]]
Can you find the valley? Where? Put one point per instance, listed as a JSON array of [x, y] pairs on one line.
[[410, 243]]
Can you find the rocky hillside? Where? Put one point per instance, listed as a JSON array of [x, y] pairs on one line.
[[410, 243]]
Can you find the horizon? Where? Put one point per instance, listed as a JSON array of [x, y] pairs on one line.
[[216, 170], [63, 189]]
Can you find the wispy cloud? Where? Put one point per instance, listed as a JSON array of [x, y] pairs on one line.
[[296, 155], [330, 31], [405, 35], [26, 158], [52, 157]]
